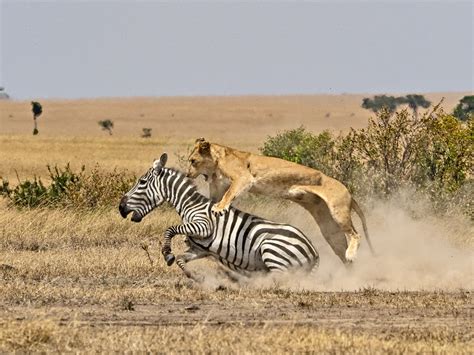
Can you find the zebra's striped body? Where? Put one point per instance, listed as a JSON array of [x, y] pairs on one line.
[[238, 240]]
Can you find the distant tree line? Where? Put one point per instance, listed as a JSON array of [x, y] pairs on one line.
[[463, 111], [390, 103]]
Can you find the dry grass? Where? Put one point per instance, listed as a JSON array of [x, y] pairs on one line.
[[29, 156], [221, 118], [76, 280], [80, 281], [48, 335], [79, 257], [69, 131]]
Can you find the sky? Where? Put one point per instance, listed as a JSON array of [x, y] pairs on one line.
[[79, 49]]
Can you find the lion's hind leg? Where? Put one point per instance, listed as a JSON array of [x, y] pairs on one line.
[[333, 216]]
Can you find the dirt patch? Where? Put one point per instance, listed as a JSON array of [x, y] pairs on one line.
[[372, 313], [357, 322]]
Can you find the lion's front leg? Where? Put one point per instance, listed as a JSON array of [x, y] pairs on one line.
[[236, 188], [217, 188]]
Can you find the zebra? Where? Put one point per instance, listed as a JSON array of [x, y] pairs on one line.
[[241, 242]]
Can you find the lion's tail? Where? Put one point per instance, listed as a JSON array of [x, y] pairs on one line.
[[361, 215]]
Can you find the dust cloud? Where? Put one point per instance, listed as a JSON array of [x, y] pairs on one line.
[[415, 249]]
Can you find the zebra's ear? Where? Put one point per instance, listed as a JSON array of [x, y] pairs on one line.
[[158, 164], [163, 159]]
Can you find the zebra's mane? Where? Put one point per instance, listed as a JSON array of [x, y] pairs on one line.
[[188, 181]]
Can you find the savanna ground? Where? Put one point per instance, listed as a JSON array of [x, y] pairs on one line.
[[79, 280]]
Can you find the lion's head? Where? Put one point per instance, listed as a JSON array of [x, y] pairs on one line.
[[200, 160]]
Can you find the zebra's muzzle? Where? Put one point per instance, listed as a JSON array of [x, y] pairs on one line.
[[136, 217], [124, 210]]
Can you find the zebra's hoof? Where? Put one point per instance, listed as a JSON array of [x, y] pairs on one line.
[[169, 259]]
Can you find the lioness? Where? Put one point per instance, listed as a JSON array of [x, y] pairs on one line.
[[231, 172]]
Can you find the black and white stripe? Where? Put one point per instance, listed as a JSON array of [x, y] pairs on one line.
[[240, 241]]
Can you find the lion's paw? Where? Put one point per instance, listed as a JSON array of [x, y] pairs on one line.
[[219, 211], [351, 251]]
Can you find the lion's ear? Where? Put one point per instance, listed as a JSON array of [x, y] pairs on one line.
[[204, 147]]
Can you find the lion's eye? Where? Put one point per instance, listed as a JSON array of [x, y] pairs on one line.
[[193, 161]]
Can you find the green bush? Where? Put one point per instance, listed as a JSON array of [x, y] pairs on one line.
[[302, 147], [447, 160], [94, 189], [396, 150], [27, 193]]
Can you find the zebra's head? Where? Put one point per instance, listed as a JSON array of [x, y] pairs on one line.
[[145, 195]]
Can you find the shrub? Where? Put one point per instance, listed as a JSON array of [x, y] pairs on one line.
[[447, 160], [94, 189], [27, 193], [388, 149], [61, 181], [302, 147], [396, 150], [99, 189]]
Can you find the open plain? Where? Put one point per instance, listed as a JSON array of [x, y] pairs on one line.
[[81, 280]]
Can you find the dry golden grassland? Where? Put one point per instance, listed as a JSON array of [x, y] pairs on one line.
[[81, 281], [78, 280], [69, 131]]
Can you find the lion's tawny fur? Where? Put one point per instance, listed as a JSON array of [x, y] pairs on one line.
[[231, 172]]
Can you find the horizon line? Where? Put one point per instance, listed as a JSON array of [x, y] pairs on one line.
[[229, 96]]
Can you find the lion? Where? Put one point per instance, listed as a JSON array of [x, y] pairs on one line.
[[231, 172]]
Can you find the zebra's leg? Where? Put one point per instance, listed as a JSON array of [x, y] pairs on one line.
[[190, 255], [231, 275], [200, 229], [166, 248]]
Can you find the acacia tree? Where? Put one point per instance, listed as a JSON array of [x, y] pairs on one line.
[[381, 101], [37, 110], [415, 101], [107, 125], [465, 109], [390, 103]]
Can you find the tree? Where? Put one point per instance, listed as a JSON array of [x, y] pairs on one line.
[[3, 94], [381, 101], [106, 125], [465, 109], [414, 101], [146, 132], [391, 103], [37, 110]]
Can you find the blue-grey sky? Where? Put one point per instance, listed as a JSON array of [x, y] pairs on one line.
[[72, 49]]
